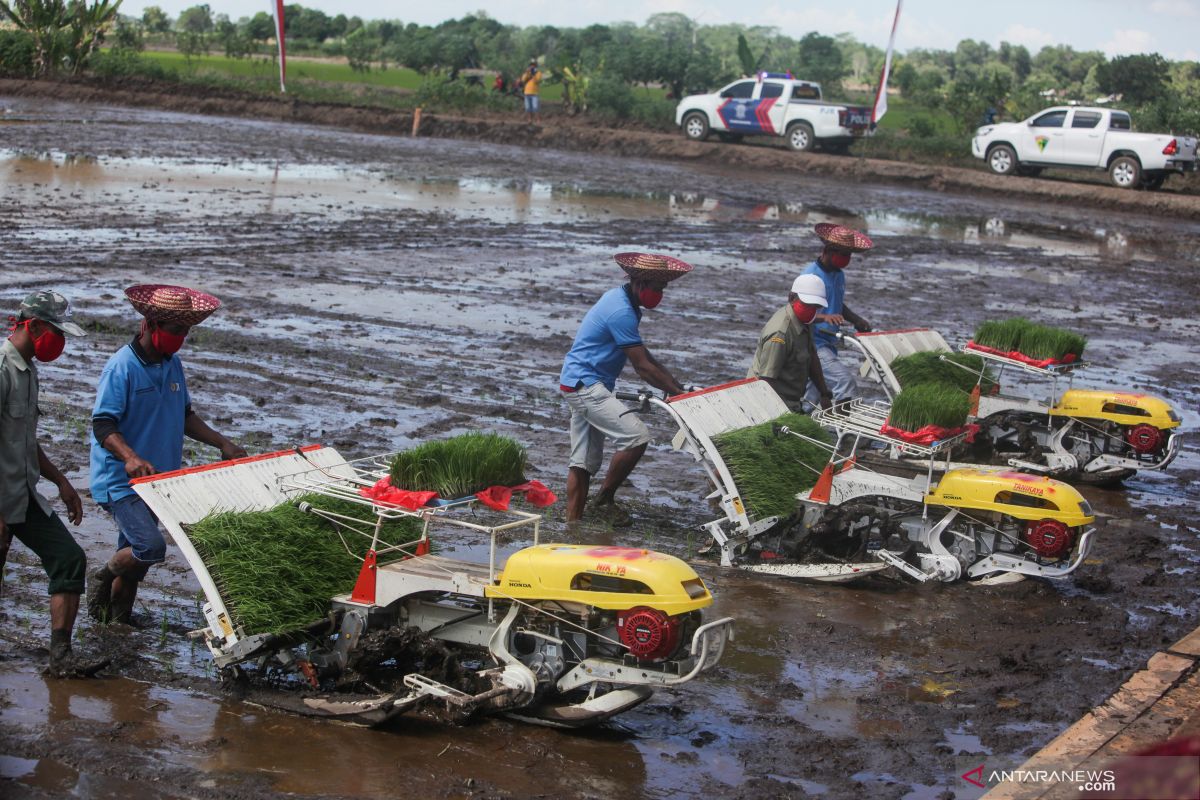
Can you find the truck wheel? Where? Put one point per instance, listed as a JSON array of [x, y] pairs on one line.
[[1125, 172], [800, 137], [1002, 160], [695, 126]]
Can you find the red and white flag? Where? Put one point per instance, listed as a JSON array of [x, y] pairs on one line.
[[282, 50], [881, 94]]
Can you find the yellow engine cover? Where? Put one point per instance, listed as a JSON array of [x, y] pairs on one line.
[[1123, 408], [1028, 497], [611, 578]]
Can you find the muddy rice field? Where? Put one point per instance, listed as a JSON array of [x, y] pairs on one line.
[[381, 291]]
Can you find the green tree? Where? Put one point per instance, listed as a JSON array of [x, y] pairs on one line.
[[821, 60], [64, 33], [1138, 79], [260, 27], [361, 50], [155, 20], [197, 19]]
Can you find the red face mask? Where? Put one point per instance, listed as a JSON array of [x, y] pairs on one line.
[[839, 260], [49, 345], [167, 343], [804, 313], [650, 298]]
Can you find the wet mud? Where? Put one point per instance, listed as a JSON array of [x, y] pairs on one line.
[[381, 291]]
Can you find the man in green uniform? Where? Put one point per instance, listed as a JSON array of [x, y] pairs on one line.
[[786, 357], [40, 333]]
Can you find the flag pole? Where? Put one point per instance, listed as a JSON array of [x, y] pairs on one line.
[[279, 27], [880, 107]]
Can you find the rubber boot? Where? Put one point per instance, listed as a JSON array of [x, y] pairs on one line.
[[65, 664], [120, 609], [99, 592]]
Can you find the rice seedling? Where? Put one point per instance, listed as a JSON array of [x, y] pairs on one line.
[[1002, 334], [1031, 338], [1043, 341], [961, 370], [929, 404], [460, 466], [770, 469], [278, 569]]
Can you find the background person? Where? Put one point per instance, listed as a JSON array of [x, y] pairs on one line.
[[141, 415], [841, 243], [39, 334], [607, 337], [786, 357], [531, 83]]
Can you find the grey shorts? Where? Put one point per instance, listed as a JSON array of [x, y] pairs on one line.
[[531, 103], [595, 415]]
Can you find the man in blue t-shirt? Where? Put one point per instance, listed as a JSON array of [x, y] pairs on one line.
[[840, 244], [607, 337], [141, 415]]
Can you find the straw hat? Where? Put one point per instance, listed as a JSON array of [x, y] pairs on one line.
[[163, 303], [841, 236], [652, 266]]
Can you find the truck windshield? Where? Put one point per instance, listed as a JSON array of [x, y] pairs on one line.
[[805, 91], [1119, 122]]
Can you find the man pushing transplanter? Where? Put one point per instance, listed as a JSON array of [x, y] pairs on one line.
[[607, 337], [841, 243], [141, 415]]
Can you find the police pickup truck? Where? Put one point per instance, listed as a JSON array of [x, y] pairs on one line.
[[1078, 136], [773, 104]]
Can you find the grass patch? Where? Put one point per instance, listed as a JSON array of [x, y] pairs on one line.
[[771, 469], [1032, 339], [460, 466], [927, 367], [929, 404], [278, 569]]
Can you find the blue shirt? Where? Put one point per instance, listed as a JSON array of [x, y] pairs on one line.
[[149, 402], [835, 294], [598, 354]]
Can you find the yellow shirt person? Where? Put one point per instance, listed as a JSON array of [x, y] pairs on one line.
[[531, 80]]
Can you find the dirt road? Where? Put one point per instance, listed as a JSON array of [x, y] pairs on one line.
[[381, 291]]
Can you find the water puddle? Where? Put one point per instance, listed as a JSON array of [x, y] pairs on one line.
[[192, 188]]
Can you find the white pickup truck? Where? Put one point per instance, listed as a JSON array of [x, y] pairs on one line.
[[1077, 136], [773, 104]]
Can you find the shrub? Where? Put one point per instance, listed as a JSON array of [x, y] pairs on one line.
[[771, 469], [609, 95], [16, 54], [119, 63]]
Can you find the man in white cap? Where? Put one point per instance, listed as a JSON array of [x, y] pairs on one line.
[[841, 243], [607, 337], [786, 357], [39, 334], [141, 415]]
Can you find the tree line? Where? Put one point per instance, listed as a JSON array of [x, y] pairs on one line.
[[599, 65]]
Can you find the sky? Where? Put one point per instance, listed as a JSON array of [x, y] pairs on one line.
[[1115, 27]]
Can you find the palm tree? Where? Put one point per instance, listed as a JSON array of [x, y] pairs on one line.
[[62, 30]]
